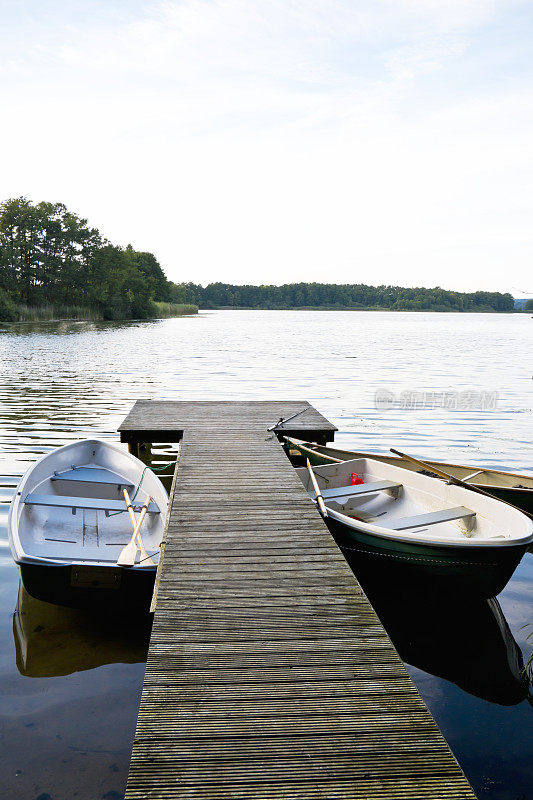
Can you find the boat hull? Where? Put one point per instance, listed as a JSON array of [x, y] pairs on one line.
[[480, 571], [89, 587]]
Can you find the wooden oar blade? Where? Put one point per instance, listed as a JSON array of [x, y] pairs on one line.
[[145, 558], [127, 555], [129, 552]]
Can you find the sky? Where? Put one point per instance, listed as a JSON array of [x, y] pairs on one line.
[[272, 141]]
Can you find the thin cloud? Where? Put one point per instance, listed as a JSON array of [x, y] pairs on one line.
[[310, 140]]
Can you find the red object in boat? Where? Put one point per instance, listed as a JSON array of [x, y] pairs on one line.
[[355, 480]]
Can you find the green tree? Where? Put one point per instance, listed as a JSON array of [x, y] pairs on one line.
[[19, 222], [45, 250], [323, 295], [8, 309], [50, 255], [159, 287], [116, 285]]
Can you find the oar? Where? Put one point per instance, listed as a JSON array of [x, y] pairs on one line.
[[319, 498], [145, 558], [128, 553], [303, 448], [473, 475], [456, 481]]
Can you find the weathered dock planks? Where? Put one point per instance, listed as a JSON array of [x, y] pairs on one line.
[[166, 420], [269, 675]]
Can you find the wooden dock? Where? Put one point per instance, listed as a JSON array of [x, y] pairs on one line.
[[269, 676], [166, 420]]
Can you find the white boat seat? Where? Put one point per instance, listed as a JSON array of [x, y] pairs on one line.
[[96, 503], [357, 490], [66, 551], [92, 475], [432, 518]]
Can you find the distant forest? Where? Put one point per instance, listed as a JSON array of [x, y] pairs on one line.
[[349, 296], [51, 257]]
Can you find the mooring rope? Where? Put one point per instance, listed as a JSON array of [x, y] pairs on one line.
[[283, 420], [153, 469]]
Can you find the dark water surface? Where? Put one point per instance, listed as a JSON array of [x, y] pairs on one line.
[[450, 386]]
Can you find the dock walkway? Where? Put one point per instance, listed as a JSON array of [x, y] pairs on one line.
[[269, 675]]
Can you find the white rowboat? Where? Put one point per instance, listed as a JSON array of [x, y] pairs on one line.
[[433, 526], [68, 523], [515, 488]]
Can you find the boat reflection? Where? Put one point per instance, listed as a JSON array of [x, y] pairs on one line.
[[53, 640], [463, 639]]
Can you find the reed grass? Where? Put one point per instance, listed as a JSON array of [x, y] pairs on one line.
[[52, 312], [20, 312], [164, 310]]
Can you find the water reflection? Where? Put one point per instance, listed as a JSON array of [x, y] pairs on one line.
[[69, 326], [52, 640], [463, 639]]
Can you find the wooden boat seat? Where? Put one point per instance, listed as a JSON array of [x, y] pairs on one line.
[[358, 490], [92, 475], [433, 518], [95, 503]]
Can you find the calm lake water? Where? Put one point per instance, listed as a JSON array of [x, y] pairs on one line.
[[447, 386]]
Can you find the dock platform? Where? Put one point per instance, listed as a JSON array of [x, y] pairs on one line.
[[166, 420], [269, 676]]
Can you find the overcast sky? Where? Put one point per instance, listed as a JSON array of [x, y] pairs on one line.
[[268, 141]]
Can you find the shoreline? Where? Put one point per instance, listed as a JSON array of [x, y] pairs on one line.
[[5, 324], [370, 308]]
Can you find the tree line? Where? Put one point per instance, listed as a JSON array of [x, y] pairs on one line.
[[340, 296], [50, 256]]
